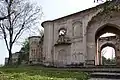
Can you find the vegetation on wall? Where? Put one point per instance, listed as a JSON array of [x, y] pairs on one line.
[[24, 52], [105, 9]]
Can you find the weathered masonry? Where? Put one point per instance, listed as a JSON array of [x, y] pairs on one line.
[[72, 40]]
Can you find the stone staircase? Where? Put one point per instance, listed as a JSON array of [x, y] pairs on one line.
[[104, 73], [108, 72]]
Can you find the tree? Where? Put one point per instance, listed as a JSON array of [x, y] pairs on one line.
[[41, 32], [24, 52], [98, 0], [4, 17], [105, 0], [107, 9], [22, 16], [25, 49], [103, 60]]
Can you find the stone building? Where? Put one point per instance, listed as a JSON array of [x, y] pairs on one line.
[[111, 41], [15, 57], [35, 51], [72, 39]]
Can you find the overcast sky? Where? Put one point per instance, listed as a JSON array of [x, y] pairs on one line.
[[52, 9]]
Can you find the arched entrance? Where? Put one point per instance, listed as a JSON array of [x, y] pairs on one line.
[[93, 35], [107, 29], [107, 54]]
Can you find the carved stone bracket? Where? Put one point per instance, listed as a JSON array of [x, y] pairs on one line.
[[63, 40]]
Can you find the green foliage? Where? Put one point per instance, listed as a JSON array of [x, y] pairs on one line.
[[110, 6], [25, 47], [41, 73], [108, 61], [25, 50], [106, 10]]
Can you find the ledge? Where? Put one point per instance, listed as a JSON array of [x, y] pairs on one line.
[[57, 44]]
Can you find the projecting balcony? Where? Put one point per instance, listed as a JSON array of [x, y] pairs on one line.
[[63, 40]]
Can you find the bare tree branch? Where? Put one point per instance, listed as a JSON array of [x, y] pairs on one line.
[[5, 35], [18, 33], [21, 16]]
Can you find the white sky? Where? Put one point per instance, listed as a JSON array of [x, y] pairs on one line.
[[52, 9], [108, 52], [107, 34]]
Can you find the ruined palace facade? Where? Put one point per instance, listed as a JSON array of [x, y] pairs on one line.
[[35, 51], [72, 40]]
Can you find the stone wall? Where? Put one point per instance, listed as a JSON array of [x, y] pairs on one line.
[[75, 26], [81, 29], [35, 52]]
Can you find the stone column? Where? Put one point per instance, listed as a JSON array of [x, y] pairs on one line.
[[48, 42], [84, 42]]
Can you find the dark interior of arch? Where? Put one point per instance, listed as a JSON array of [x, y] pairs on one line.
[[107, 44], [105, 29]]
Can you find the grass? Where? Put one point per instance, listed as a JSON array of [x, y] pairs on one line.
[[40, 73]]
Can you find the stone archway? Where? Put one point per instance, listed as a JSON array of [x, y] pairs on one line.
[[93, 33], [103, 46]]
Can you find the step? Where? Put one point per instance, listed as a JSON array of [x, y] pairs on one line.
[[112, 70], [105, 75], [102, 79]]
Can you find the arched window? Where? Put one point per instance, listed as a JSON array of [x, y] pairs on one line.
[[62, 32], [77, 29]]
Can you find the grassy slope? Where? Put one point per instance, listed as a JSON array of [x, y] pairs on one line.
[[40, 73]]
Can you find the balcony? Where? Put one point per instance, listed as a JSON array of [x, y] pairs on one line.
[[63, 40]]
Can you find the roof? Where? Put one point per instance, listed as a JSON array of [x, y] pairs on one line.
[[34, 37], [73, 14]]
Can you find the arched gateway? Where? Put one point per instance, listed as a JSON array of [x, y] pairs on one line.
[[74, 40], [103, 42], [93, 37]]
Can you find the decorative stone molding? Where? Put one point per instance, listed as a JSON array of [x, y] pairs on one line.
[[46, 23], [63, 40], [77, 29], [63, 21]]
